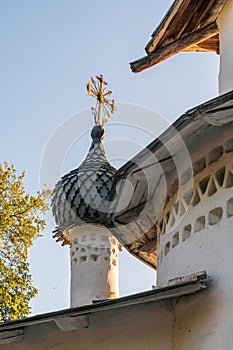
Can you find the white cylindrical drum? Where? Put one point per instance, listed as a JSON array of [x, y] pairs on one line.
[[94, 264]]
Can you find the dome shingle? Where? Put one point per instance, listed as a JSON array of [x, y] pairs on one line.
[[81, 196]]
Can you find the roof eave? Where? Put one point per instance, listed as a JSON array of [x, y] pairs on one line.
[[126, 224], [181, 44], [184, 286]]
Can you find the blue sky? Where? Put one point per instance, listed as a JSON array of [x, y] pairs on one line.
[[49, 49]]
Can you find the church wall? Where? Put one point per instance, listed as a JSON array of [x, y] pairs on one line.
[[205, 321], [145, 326], [200, 237]]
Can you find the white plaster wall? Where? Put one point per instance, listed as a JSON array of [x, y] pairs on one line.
[[204, 321], [94, 265], [225, 24], [138, 327]]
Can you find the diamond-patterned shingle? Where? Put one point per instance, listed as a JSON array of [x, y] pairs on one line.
[[82, 195]]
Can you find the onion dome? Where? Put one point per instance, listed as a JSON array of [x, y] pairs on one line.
[[81, 196]]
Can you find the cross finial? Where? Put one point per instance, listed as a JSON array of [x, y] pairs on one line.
[[97, 89]]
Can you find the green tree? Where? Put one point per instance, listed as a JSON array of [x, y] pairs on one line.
[[20, 224]]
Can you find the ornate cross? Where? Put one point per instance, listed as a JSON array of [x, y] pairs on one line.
[[97, 89]]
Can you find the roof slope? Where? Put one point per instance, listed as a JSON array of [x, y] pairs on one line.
[[189, 25], [177, 287], [153, 174]]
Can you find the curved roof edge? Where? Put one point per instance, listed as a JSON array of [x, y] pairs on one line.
[[135, 225]]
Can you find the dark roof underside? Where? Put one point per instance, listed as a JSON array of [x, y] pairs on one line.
[[189, 25]]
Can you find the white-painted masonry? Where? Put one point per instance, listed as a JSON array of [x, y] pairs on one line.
[[200, 237], [94, 264]]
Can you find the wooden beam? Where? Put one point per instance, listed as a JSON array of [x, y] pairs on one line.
[[163, 26], [175, 29], [163, 53], [209, 45], [149, 247], [215, 10], [184, 16], [196, 14], [197, 48]]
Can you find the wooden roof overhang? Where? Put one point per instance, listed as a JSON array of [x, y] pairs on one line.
[[189, 25], [145, 185]]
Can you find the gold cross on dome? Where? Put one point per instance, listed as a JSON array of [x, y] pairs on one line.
[[97, 89]]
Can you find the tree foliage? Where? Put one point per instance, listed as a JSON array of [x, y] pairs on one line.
[[20, 224]]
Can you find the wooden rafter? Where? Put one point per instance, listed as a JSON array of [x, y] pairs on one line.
[[175, 47], [209, 45], [189, 25]]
